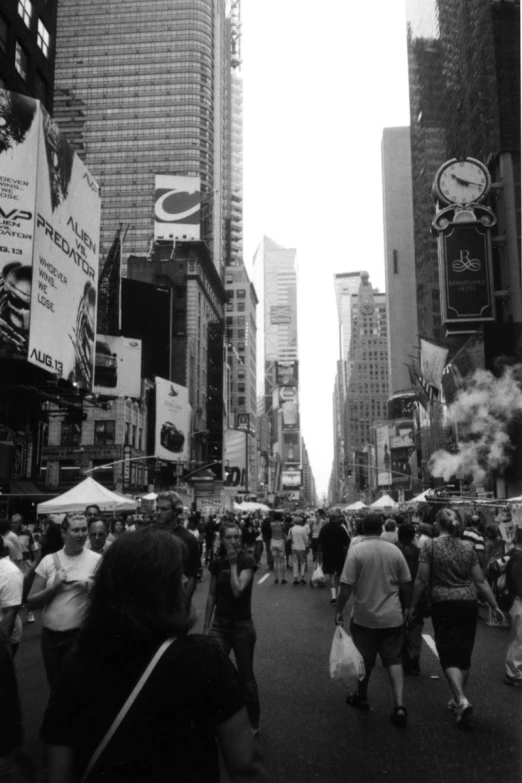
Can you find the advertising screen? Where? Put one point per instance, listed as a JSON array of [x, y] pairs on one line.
[[117, 366], [288, 404], [287, 374], [382, 447], [173, 415], [291, 479], [65, 260], [291, 449], [235, 456], [18, 162], [177, 207], [401, 434]]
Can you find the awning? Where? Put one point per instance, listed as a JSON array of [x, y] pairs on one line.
[[25, 488]]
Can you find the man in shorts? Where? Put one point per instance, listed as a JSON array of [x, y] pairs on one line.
[[377, 574], [334, 541]]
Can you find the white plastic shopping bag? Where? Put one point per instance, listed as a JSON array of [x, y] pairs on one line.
[[346, 663], [318, 579]]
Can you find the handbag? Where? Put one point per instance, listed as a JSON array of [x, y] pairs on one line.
[[126, 707]]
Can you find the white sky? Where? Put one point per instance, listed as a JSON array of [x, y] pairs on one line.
[[321, 81]]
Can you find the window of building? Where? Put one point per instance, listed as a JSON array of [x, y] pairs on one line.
[[21, 61], [104, 433], [134, 436], [241, 320], [241, 346], [69, 472], [42, 89], [3, 34], [25, 10], [127, 433], [71, 434], [230, 293], [241, 400], [241, 307], [241, 387], [229, 320], [43, 38], [241, 293], [230, 307]]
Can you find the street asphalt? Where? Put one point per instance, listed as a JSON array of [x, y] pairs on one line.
[[308, 733]]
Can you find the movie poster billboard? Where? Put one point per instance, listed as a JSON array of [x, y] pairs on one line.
[[19, 126], [287, 374], [65, 260], [291, 448], [382, 448], [177, 207], [401, 434], [117, 366], [173, 417], [235, 460]]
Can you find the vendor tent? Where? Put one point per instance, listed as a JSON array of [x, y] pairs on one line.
[[385, 502], [88, 492], [424, 497], [357, 506]]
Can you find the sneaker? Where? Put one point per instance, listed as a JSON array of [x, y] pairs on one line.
[[463, 712], [333, 600], [296, 582], [516, 682], [303, 581], [276, 581], [284, 582], [399, 717], [30, 617]]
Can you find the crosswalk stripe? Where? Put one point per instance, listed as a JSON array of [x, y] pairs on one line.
[[263, 579], [431, 644]]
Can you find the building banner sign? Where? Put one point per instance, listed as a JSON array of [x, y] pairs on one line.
[[288, 404], [465, 274], [18, 162], [291, 449], [280, 314], [117, 366], [382, 448], [235, 460], [173, 416], [177, 207]]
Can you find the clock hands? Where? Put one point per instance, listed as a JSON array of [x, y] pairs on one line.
[[465, 182]]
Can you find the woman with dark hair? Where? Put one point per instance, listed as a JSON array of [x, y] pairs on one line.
[[139, 619], [450, 571], [117, 528], [228, 614]]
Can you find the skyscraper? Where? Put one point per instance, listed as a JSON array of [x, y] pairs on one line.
[[142, 89], [399, 253]]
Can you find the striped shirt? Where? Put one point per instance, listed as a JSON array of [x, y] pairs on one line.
[[474, 538]]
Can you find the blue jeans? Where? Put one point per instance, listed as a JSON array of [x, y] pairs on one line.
[[240, 636]]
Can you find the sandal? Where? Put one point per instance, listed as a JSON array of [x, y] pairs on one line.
[[463, 712], [354, 700], [399, 716]]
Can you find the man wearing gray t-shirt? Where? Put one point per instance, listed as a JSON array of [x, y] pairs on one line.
[[377, 574]]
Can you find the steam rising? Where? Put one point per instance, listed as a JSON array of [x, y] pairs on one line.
[[481, 414]]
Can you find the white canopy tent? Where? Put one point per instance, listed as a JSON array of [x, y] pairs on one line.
[[357, 506], [385, 502], [424, 497], [88, 492]]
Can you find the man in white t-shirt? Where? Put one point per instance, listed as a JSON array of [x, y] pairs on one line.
[[11, 590], [62, 584], [299, 535]]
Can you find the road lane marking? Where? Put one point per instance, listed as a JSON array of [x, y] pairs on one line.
[[263, 579], [431, 644]]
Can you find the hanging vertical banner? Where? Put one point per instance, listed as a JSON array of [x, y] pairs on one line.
[[235, 459], [65, 260], [19, 126], [382, 448], [173, 414], [465, 274]]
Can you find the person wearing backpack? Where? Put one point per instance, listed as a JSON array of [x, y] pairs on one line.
[[514, 583]]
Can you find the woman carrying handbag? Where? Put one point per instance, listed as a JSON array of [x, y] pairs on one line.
[[140, 699]]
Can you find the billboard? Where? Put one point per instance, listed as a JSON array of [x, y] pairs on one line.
[[177, 207], [291, 448], [382, 448], [401, 435], [173, 416], [138, 301], [280, 314], [288, 404], [117, 366], [291, 479], [235, 460], [65, 260], [19, 135], [287, 374]]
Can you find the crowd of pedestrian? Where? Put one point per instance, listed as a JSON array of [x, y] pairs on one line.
[[116, 600]]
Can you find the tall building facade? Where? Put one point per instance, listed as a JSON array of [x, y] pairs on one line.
[[399, 254], [368, 388], [142, 89], [27, 48]]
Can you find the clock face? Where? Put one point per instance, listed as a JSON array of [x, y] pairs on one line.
[[462, 181], [367, 308]]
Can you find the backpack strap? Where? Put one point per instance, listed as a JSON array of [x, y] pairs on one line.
[[56, 561]]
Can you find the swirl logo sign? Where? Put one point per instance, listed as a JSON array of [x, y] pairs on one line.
[[177, 206], [465, 263]]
